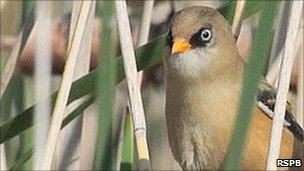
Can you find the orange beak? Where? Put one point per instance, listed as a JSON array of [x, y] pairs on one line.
[[180, 45]]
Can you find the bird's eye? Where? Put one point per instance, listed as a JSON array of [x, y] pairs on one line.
[[202, 37], [206, 35]]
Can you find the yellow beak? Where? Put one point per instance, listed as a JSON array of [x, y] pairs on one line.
[[180, 45]]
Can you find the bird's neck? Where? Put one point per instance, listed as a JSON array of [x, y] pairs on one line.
[[209, 95], [229, 75]]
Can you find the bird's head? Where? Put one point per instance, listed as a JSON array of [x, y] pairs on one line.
[[200, 42]]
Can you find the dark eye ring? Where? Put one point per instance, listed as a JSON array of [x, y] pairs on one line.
[[169, 40], [206, 35]]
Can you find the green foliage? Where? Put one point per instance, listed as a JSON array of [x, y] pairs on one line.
[[27, 9], [253, 71], [227, 10], [146, 56], [104, 155], [128, 142], [23, 159]]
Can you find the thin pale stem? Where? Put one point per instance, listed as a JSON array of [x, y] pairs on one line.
[[280, 107], [145, 29], [3, 163], [66, 83], [273, 70], [300, 99], [72, 133], [237, 16], [88, 124], [145, 23], [279, 34], [10, 67], [133, 86], [42, 77]]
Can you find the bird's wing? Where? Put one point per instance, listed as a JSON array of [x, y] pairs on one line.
[[266, 99]]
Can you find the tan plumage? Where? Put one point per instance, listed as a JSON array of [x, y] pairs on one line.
[[203, 83]]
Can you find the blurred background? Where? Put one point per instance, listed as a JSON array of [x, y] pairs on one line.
[[70, 154]]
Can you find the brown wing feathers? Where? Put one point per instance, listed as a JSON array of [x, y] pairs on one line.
[[267, 96]]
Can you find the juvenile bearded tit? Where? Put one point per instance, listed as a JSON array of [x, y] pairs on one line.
[[204, 75]]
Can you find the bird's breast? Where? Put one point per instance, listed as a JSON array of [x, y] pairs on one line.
[[199, 120]]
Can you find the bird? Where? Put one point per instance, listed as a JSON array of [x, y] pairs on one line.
[[203, 77]]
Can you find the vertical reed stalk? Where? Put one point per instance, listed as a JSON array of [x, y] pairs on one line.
[[88, 122], [133, 86], [237, 19], [66, 83], [300, 99], [273, 70], [279, 35], [280, 107], [145, 29], [300, 86], [3, 164], [73, 134], [127, 144], [68, 136], [145, 23], [42, 77]]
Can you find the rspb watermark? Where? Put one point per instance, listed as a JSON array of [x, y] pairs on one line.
[[289, 162]]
